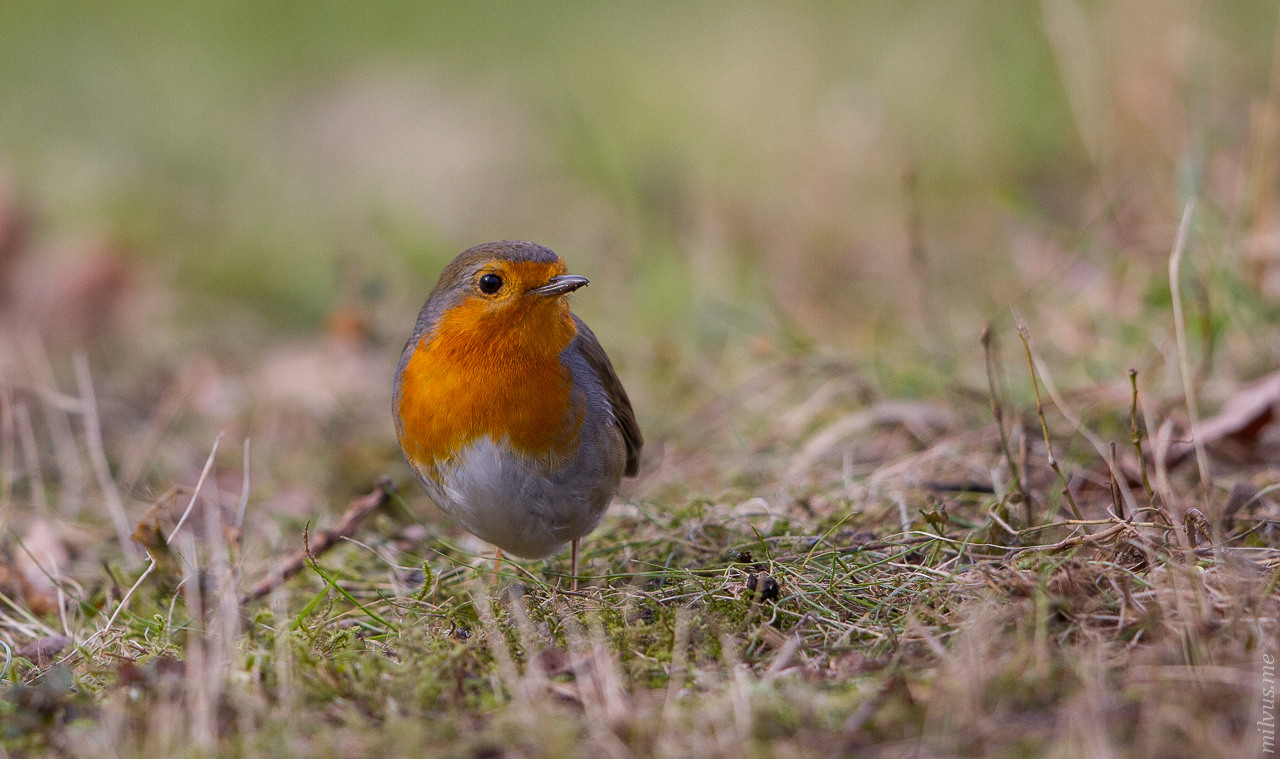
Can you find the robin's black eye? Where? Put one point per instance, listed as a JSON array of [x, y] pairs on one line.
[[490, 284]]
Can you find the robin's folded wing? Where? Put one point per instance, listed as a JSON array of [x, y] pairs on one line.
[[622, 412]]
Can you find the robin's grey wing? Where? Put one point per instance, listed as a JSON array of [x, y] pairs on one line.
[[590, 348]]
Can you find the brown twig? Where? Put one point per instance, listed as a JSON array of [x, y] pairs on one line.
[[356, 513], [1079, 540], [1116, 500], [1136, 435]]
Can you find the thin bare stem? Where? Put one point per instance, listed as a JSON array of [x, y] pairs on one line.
[[1076, 422], [997, 411], [1116, 498], [1136, 431], [1044, 426]]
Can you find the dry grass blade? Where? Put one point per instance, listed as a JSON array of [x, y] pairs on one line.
[[1079, 67], [244, 489], [98, 457], [508, 683], [679, 666], [1180, 334], [195, 492], [124, 602], [7, 468], [31, 459], [57, 408]]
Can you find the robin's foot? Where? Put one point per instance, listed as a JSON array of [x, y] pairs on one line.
[[573, 563]]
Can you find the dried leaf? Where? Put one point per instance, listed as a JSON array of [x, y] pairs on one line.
[[42, 651], [1241, 493], [1240, 420]]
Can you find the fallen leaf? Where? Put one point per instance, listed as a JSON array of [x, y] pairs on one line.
[[1240, 421], [43, 650]]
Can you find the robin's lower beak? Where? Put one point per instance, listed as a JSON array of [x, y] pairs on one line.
[[565, 283]]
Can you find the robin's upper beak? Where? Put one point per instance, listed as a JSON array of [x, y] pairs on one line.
[[565, 283]]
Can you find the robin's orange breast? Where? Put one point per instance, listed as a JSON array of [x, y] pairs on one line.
[[499, 374]]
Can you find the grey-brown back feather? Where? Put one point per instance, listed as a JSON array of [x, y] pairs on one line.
[[623, 414]]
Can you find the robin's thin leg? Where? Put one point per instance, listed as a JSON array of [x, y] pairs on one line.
[[497, 561], [573, 562]]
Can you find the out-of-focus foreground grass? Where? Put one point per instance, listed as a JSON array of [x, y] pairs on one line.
[[220, 219]]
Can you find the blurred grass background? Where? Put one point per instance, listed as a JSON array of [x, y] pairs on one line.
[[877, 178]]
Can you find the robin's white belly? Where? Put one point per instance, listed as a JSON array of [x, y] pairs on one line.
[[510, 501]]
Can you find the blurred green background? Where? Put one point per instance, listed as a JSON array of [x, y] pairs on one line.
[[858, 175]]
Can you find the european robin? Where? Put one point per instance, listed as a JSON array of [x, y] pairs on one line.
[[506, 406]]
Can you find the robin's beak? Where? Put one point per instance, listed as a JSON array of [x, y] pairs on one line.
[[561, 285]]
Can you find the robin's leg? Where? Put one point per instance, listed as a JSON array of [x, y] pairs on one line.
[[497, 561], [573, 562]]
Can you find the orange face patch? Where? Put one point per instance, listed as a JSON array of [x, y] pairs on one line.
[[491, 367]]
